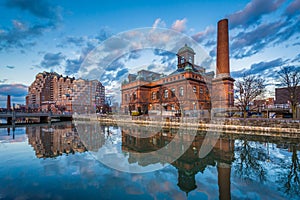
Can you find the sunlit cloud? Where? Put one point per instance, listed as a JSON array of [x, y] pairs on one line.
[[159, 23], [253, 12], [23, 34], [293, 9], [202, 35], [179, 25]]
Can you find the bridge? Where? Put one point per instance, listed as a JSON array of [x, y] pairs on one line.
[[41, 117], [279, 110]]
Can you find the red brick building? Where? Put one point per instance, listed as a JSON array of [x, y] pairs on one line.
[[189, 89], [282, 95], [184, 89]]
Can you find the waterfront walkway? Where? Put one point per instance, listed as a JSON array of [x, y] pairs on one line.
[[259, 126]]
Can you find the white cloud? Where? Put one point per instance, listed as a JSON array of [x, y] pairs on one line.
[[179, 25], [159, 23]]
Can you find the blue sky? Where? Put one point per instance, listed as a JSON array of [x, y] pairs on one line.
[[44, 35]]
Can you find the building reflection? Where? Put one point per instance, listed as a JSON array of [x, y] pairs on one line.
[[189, 163], [55, 141], [91, 134], [65, 138], [140, 145]]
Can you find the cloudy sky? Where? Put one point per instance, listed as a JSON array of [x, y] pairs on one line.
[[44, 35]]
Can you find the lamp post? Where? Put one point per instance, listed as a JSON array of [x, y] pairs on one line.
[[230, 99], [194, 109], [267, 104]]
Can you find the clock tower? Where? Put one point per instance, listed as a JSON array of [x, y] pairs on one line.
[[185, 55]]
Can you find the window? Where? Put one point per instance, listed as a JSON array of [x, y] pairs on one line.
[[153, 95], [125, 97], [166, 94], [134, 96], [194, 89], [181, 91], [173, 92], [172, 107], [201, 91], [190, 59], [182, 60]]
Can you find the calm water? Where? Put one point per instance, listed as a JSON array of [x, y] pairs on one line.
[[67, 161]]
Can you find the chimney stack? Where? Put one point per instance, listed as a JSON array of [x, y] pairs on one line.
[[8, 104], [222, 84], [222, 48]]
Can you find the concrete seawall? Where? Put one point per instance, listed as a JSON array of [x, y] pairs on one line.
[[278, 128]]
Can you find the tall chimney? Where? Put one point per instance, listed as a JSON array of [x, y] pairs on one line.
[[8, 104], [224, 181], [222, 48]]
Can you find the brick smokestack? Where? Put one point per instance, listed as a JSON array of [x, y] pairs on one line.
[[222, 48], [8, 104]]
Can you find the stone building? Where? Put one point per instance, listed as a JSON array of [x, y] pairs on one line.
[[189, 89], [51, 91]]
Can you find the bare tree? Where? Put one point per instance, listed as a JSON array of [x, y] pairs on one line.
[[289, 176], [249, 161], [247, 89], [290, 78]]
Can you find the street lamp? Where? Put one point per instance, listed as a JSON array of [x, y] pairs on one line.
[[267, 102], [194, 107]]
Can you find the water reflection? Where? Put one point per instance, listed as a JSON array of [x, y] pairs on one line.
[[189, 164], [291, 175], [239, 166], [54, 141]]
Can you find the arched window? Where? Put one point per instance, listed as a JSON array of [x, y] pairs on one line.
[[201, 91], [153, 95], [166, 94], [194, 89], [181, 91]]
